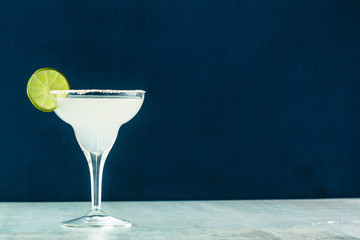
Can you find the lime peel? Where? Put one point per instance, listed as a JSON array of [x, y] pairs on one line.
[[41, 83]]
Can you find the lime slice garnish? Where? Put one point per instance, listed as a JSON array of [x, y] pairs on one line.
[[41, 83]]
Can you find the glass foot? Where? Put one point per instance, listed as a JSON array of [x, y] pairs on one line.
[[97, 219]]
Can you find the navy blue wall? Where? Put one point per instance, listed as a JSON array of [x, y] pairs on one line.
[[245, 99]]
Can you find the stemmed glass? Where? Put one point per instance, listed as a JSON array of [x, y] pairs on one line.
[[96, 116]]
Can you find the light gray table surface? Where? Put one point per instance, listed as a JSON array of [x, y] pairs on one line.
[[180, 220]]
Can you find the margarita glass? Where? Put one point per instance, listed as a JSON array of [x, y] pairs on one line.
[[96, 116]]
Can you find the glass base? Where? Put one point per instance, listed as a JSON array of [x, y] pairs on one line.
[[97, 219]]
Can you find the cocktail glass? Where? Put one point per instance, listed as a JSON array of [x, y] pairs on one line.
[[96, 116]]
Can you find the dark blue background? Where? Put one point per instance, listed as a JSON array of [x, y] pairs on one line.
[[245, 99]]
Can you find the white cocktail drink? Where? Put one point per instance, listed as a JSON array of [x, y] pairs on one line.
[[96, 116], [96, 119]]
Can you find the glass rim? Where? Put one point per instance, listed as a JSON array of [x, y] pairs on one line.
[[100, 91]]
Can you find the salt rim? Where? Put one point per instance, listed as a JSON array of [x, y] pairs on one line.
[[85, 91]]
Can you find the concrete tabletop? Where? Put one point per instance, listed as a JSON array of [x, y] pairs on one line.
[[180, 220]]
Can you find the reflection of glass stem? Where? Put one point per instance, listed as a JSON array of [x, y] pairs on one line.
[[96, 162], [96, 166]]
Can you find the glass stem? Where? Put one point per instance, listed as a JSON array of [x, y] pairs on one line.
[[96, 161]]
